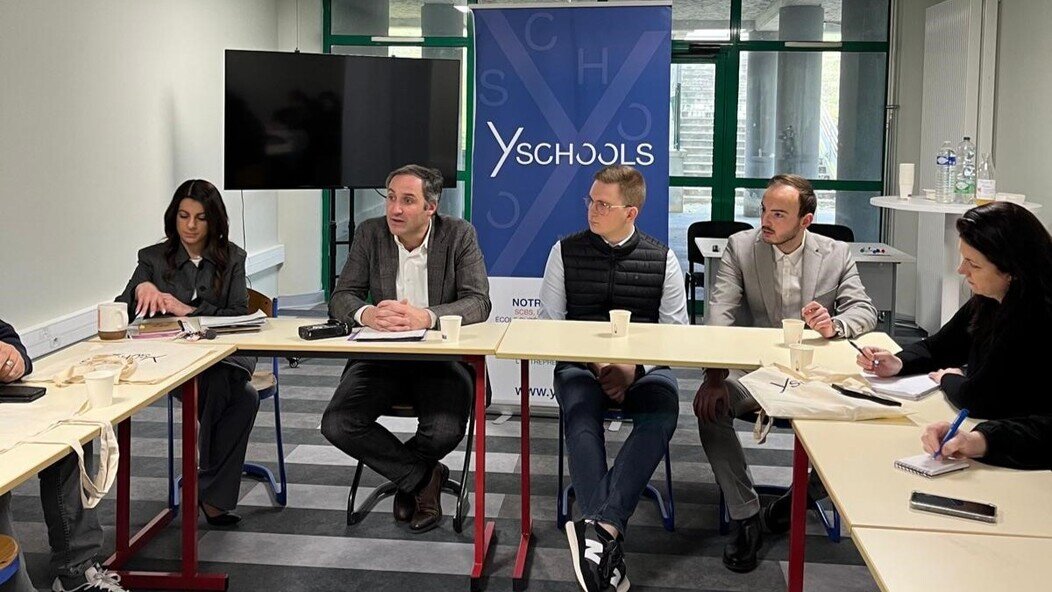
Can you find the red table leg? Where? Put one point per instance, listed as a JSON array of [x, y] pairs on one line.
[[483, 529], [798, 524], [519, 576], [188, 577]]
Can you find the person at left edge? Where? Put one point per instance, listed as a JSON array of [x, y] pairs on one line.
[[197, 271], [418, 266]]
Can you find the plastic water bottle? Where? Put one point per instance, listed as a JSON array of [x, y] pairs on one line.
[[985, 185], [946, 164], [964, 184]]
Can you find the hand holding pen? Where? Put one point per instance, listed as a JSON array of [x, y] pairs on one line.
[[876, 360], [944, 439]]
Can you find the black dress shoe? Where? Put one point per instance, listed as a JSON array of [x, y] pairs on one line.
[[740, 553], [224, 519], [404, 506], [428, 501]]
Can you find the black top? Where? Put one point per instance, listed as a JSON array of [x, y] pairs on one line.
[[9, 336], [1020, 443], [1003, 372], [230, 300], [600, 278]]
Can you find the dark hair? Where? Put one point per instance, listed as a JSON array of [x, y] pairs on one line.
[[629, 181], [1015, 241], [217, 243], [808, 201], [432, 180]]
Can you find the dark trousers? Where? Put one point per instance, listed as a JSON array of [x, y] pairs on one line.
[[73, 531], [441, 392], [652, 402], [227, 407]]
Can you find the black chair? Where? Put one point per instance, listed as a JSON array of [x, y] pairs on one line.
[[834, 231], [457, 488], [704, 229]]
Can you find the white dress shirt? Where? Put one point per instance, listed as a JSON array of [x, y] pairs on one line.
[[411, 278], [673, 309], [788, 269]]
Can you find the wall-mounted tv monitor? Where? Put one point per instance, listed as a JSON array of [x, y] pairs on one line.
[[302, 121]]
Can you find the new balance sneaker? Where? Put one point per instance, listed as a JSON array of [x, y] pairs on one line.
[[598, 560], [96, 579]]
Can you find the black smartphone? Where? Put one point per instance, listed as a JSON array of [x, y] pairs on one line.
[[951, 506], [20, 393]]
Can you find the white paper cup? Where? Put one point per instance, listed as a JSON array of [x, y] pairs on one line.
[[619, 322], [792, 331], [801, 356], [450, 326], [906, 177], [115, 368], [100, 388]]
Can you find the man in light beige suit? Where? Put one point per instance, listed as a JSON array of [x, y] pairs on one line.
[[776, 272]]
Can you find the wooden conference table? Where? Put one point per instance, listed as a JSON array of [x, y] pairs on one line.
[[27, 459], [683, 346]]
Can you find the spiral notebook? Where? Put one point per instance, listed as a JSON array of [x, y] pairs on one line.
[[924, 464]]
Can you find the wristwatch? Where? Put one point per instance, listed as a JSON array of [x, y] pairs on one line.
[[839, 328]]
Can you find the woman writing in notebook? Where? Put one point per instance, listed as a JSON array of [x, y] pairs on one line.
[[1019, 443], [987, 358], [197, 271]]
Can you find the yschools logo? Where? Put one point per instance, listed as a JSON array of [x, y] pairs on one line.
[[585, 153]]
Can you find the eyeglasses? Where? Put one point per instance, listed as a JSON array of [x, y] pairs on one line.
[[601, 206]]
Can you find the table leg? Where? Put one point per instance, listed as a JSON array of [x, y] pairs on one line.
[[798, 524], [519, 575], [483, 530]]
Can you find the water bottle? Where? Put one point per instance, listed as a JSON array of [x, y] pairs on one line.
[[985, 185], [945, 164], [964, 184]]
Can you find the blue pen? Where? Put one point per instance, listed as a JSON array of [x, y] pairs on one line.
[[953, 432]]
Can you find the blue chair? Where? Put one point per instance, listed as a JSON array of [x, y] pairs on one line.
[[565, 495], [9, 563], [266, 384], [831, 525]]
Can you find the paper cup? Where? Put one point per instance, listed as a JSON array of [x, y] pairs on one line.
[[619, 322], [801, 356], [100, 388], [115, 368], [450, 326], [792, 331], [906, 173]]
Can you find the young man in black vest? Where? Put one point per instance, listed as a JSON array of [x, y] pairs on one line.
[[612, 265]]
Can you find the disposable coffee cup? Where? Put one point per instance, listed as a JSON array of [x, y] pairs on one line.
[[100, 388], [792, 331], [450, 326], [801, 356], [619, 322]]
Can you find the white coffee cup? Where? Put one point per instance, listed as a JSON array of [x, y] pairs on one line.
[[619, 322], [906, 178], [113, 320], [115, 368], [801, 356], [450, 326], [100, 388], [792, 331]]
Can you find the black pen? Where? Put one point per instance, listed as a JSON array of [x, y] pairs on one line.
[[859, 395], [864, 354]]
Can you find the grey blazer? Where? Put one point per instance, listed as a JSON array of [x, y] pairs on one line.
[[744, 293], [457, 283]]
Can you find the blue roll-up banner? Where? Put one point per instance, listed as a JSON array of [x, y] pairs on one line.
[[561, 91]]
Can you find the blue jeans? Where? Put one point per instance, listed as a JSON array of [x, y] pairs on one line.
[[652, 402]]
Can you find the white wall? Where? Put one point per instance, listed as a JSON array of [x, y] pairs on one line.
[[1022, 116], [104, 108]]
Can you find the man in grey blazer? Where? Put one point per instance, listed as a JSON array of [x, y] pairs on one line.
[[417, 266], [776, 272]]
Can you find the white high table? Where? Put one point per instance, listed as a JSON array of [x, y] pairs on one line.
[[940, 291], [877, 264]]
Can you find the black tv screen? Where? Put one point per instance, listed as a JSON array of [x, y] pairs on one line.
[[299, 121]]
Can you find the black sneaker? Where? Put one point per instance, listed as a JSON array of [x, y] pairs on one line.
[[96, 579], [597, 557]]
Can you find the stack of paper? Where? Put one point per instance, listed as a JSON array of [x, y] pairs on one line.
[[252, 322], [911, 388]]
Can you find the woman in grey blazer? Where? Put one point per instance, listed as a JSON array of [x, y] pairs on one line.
[[197, 271]]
